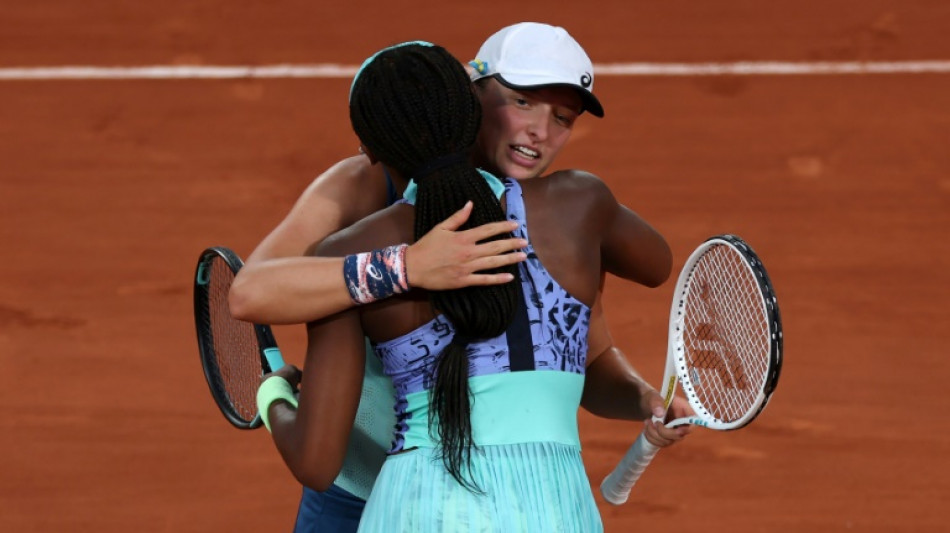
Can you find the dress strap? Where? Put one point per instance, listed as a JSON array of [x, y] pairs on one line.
[[516, 209]]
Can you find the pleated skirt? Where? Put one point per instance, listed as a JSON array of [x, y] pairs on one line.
[[526, 488]]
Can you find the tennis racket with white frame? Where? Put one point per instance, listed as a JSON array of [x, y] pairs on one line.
[[724, 348]]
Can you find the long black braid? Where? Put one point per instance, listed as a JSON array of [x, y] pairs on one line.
[[413, 105]]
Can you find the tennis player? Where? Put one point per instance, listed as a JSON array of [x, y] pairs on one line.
[[525, 125]]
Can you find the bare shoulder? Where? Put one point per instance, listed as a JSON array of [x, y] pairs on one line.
[[575, 191], [573, 204], [389, 226], [353, 167], [354, 184], [344, 193], [358, 168], [576, 176], [573, 178]]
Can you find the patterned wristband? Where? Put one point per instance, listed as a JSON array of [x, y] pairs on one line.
[[274, 388], [372, 276]]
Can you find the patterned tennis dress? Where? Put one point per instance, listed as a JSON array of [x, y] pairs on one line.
[[526, 387]]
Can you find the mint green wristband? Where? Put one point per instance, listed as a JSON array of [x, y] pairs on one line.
[[273, 389]]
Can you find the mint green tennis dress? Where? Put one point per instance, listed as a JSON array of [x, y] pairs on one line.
[[526, 387]]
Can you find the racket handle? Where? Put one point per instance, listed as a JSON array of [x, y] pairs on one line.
[[616, 486], [274, 360]]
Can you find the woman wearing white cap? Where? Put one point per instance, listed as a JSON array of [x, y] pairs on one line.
[[515, 68], [529, 110]]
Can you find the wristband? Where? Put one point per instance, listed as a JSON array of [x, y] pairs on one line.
[[372, 276], [273, 389]]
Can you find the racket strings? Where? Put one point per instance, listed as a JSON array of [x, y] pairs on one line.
[[725, 335], [235, 345]]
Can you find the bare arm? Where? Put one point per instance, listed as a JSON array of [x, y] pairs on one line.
[[300, 289], [629, 247], [289, 290], [278, 286], [312, 439], [345, 193], [634, 250], [613, 388]]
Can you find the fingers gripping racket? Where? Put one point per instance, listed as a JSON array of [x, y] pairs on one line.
[[234, 354], [724, 348]]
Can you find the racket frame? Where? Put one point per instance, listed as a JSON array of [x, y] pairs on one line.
[[270, 356], [617, 485], [676, 355]]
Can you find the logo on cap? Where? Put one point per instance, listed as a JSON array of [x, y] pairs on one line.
[[586, 80], [480, 66]]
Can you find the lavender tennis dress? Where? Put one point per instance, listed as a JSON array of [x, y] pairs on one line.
[[526, 387]]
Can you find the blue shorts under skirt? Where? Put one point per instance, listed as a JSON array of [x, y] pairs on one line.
[[332, 511]]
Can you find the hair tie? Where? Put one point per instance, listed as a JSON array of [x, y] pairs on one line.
[[461, 340], [437, 163]]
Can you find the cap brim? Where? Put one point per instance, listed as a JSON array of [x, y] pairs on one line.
[[589, 102]]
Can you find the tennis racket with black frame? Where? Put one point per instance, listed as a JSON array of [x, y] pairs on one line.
[[724, 348], [234, 353]]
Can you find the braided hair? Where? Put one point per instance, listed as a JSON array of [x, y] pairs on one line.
[[414, 108]]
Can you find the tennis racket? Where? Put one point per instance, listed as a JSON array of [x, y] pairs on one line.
[[234, 354], [724, 348]]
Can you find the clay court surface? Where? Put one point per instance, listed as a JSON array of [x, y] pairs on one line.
[[109, 189]]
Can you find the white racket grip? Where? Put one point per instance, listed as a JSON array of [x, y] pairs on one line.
[[616, 486]]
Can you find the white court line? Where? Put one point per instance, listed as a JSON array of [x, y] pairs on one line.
[[177, 72], [330, 70], [767, 68]]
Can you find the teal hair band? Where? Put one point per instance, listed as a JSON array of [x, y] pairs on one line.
[[372, 57], [496, 185]]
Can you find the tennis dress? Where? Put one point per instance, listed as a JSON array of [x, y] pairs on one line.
[[526, 387]]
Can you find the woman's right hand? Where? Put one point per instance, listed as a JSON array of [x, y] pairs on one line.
[[445, 259]]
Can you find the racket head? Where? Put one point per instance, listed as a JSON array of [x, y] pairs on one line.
[[726, 333], [233, 352]]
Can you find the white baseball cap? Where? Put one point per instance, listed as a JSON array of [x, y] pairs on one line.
[[531, 55]]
